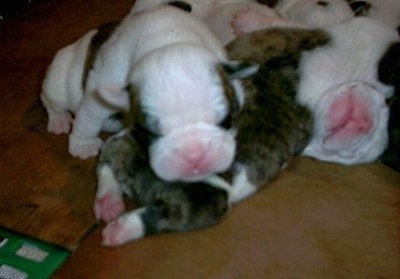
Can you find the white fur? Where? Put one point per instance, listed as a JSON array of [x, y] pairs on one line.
[[241, 187], [215, 146], [366, 146], [108, 203], [352, 56], [219, 14], [311, 14], [125, 228], [154, 35], [291, 13], [386, 11], [62, 87]]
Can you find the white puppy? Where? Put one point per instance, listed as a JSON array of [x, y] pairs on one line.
[[339, 83]]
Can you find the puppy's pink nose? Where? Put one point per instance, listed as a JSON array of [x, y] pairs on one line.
[[194, 153]]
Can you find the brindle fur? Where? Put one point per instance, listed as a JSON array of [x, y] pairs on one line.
[[102, 35], [272, 128], [169, 207]]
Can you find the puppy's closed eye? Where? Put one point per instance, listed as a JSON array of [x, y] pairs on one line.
[[226, 122]]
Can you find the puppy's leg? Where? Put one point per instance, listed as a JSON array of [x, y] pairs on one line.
[[60, 120], [90, 116], [126, 228], [108, 203], [175, 207]]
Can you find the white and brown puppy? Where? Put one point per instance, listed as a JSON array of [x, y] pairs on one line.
[[180, 89], [173, 62], [271, 129], [156, 50], [123, 168], [339, 83]]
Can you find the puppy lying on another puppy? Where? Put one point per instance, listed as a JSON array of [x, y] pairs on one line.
[[339, 83], [271, 128], [178, 71]]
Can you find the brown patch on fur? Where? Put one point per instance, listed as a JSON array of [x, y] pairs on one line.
[[272, 126], [103, 34], [170, 206]]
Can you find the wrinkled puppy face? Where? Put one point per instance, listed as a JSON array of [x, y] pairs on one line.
[[350, 125], [186, 110]]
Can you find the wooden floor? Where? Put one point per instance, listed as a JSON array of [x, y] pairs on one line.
[[317, 220], [45, 192]]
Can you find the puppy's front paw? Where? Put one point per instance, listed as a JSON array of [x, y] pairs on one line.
[[124, 229], [59, 122], [84, 148]]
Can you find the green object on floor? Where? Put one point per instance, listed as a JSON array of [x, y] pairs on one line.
[[26, 258]]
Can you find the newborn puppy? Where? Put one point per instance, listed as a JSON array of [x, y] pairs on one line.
[[164, 206], [181, 92], [389, 73], [66, 77], [175, 66], [272, 126], [339, 83], [271, 129], [133, 47]]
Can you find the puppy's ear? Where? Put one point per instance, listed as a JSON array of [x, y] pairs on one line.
[[360, 7], [181, 5], [115, 97], [239, 69]]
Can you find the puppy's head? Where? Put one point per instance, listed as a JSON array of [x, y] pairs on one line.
[[185, 103], [350, 125]]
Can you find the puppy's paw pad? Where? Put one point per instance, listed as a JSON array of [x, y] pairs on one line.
[[126, 228], [59, 123], [108, 207], [84, 148]]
